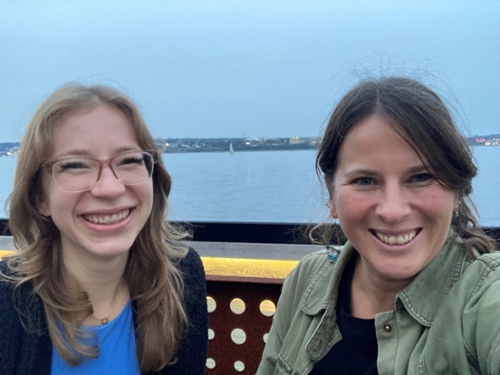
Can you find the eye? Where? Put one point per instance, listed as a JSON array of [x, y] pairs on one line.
[[363, 181], [421, 178], [129, 158], [72, 165], [132, 160]]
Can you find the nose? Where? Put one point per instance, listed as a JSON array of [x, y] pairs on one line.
[[107, 186], [393, 206]]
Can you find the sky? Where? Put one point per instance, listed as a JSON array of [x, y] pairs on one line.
[[247, 68]]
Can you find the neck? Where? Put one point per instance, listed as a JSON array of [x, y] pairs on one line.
[[371, 295], [103, 282]]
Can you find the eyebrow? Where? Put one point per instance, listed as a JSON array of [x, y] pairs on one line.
[[86, 153], [419, 168], [364, 172], [372, 173]]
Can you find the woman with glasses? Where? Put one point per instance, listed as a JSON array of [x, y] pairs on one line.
[[100, 283], [416, 288]]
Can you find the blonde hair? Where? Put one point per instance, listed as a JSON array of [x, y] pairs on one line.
[[154, 281]]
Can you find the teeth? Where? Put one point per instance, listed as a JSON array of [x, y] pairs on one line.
[[106, 219], [399, 240]]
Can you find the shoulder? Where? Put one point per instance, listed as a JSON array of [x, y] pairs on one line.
[[484, 270], [191, 266], [315, 265], [483, 274], [4, 269], [193, 347], [479, 285], [479, 291], [193, 276], [24, 341], [311, 283], [192, 258], [20, 301], [10, 324], [6, 285], [490, 261]]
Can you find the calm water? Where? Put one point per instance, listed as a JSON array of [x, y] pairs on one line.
[[278, 186]]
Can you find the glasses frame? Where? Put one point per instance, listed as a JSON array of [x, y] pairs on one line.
[[49, 167]]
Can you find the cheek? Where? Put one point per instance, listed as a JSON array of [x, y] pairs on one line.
[[439, 203], [44, 203], [146, 194], [350, 207]]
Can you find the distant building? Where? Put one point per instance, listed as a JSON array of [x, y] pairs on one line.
[[296, 140], [161, 144], [13, 151]]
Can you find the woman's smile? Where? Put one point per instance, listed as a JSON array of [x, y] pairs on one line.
[[107, 219], [396, 239]]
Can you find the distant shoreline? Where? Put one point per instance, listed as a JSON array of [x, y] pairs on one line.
[[241, 149], [190, 145]]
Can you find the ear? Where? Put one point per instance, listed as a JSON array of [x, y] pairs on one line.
[[331, 204], [456, 204], [333, 209], [328, 185], [43, 207]]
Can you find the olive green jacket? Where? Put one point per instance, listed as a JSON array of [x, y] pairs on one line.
[[447, 321]]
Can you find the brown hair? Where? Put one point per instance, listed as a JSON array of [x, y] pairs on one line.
[[417, 114], [154, 282]]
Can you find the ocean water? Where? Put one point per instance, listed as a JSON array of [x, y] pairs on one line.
[[486, 193], [270, 186]]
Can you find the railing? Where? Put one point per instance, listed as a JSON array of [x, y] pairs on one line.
[[245, 266], [243, 288], [245, 273]]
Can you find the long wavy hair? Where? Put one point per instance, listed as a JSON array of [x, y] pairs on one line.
[[153, 279], [419, 116]]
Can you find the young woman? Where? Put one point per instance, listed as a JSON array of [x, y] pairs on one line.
[[101, 283], [415, 290]]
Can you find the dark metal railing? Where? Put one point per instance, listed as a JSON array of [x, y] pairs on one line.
[[241, 302]]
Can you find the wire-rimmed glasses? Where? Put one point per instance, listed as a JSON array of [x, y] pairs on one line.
[[76, 174]]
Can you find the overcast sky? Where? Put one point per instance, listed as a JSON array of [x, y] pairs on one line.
[[246, 68]]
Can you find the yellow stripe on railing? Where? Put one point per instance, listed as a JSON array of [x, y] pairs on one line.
[[5, 252], [240, 267], [237, 267]]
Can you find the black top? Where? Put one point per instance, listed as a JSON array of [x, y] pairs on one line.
[[28, 350], [356, 353]]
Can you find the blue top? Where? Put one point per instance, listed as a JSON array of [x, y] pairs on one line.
[[117, 355]]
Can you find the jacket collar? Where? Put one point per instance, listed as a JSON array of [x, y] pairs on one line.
[[421, 298], [321, 297], [322, 289]]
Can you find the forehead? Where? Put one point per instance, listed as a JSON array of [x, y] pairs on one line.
[[373, 139], [94, 129]]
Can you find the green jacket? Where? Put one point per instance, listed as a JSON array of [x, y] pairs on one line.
[[447, 321]]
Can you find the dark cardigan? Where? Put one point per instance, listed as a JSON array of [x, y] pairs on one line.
[[29, 351]]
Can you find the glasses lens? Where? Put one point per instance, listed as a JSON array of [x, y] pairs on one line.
[[133, 167], [75, 174]]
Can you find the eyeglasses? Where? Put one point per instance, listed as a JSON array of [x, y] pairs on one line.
[[78, 174]]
